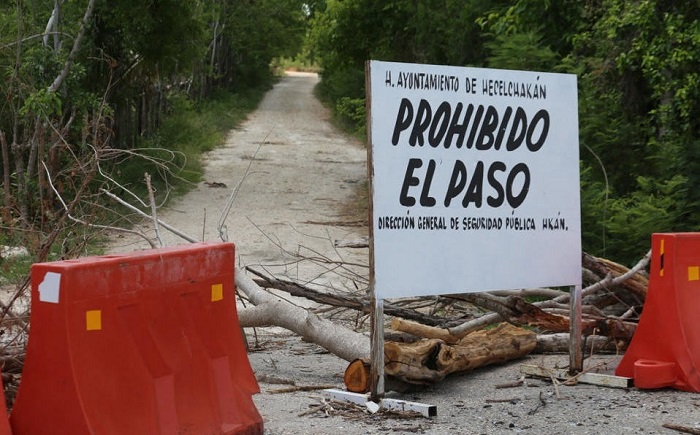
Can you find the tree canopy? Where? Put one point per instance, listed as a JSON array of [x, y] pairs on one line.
[[638, 66], [83, 80]]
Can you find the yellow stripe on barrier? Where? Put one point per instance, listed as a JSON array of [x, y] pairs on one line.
[[693, 273], [217, 292], [93, 320]]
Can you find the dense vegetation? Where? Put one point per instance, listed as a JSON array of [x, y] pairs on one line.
[[86, 84], [95, 93], [638, 68]]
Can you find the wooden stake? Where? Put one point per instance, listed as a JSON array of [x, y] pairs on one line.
[[377, 304], [575, 347], [377, 353]]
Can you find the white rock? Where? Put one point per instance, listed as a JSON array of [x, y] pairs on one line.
[[13, 251], [373, 407]]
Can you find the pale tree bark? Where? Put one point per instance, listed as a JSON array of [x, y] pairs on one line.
[[58, 81], [271, 310], [429, 361], [21, 182], [15, 147], [7, 192], [28, 145], [52, 26]]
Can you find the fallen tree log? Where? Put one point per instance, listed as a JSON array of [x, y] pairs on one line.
[[429, 361], [271, 310], [546, 343], [422, 362]]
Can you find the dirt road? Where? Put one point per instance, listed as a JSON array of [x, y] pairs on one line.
[[292, 172], [296, 173]]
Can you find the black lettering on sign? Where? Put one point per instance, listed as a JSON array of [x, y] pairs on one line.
[[514, 200], [410, 180], [487, 127], [403, 119], [423, 117], [458, 126], [496, 201], [471, 187]]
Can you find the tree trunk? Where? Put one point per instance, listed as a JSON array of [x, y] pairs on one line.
[[21, 196], [271, 310], [517, 311], [7, 192], [635, 286], [430, 361]]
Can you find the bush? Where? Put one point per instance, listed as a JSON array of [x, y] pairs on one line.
[[352, 112]]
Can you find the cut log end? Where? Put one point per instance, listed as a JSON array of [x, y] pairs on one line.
[[357, 376]]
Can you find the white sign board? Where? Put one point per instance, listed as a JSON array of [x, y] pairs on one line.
[[474, 178]]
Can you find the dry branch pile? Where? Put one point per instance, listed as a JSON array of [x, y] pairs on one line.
[[434, 336]]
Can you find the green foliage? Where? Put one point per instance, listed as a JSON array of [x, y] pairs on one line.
[[638, 68], [522, 51], [188, 131], [637, 65], [14, 270], [41, 103], [148, 77], [554, 21], [595, 209], [162, 36], [296, 63], [344, 34], [353, 112], [257, 32], [657, 206]]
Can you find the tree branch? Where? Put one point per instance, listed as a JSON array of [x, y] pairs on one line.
[[58, 81]]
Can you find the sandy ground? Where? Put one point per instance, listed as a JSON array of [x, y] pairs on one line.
[[294, 175]]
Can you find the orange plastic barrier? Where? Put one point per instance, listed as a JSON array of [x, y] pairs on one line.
[[145, 343], [665, 349], [4, 422]]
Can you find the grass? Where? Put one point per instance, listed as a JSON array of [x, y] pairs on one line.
[[14, 269], [187, 132]]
